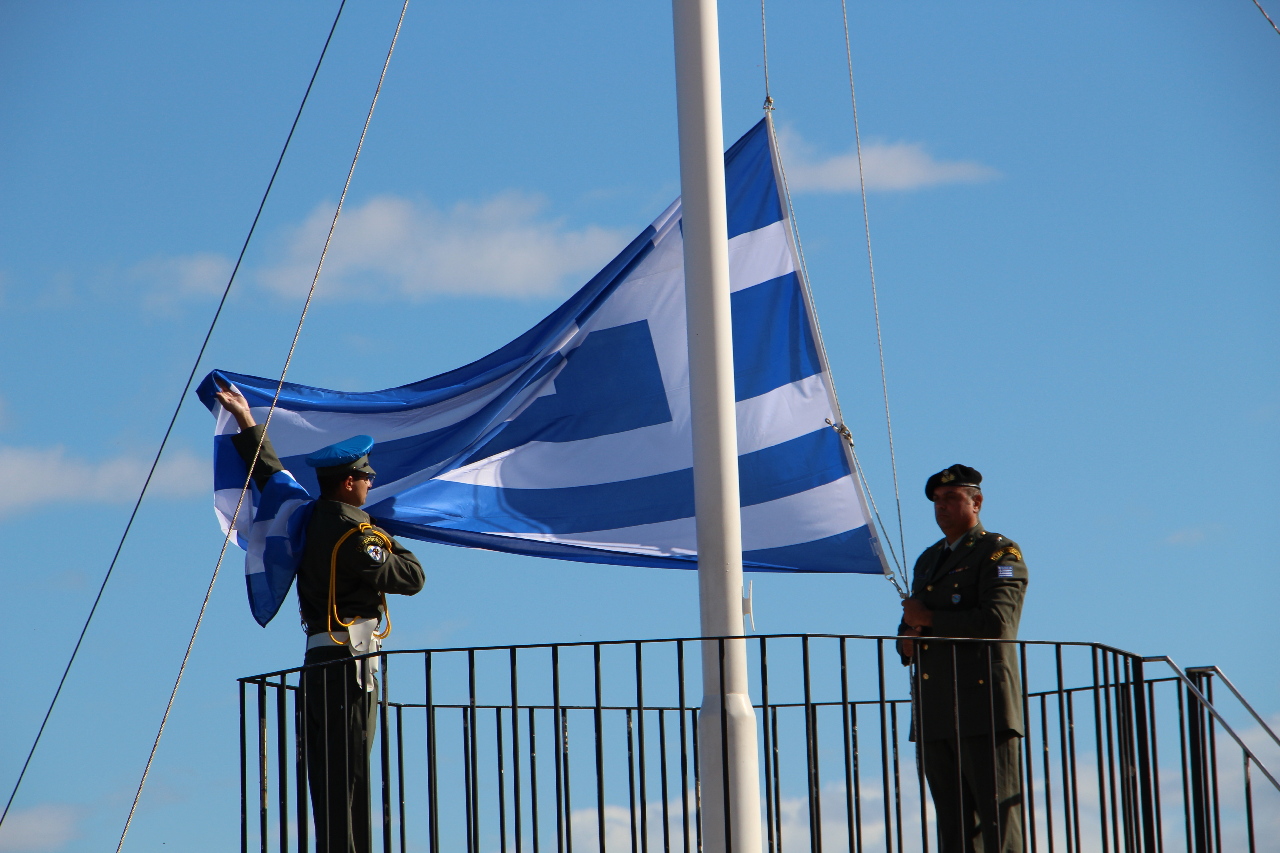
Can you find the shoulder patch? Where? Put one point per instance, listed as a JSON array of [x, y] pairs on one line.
[[1011, 552], [373, 546]]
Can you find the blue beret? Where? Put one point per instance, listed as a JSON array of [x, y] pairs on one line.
[[343, 453]]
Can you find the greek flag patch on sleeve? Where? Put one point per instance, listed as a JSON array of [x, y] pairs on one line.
[[1004, 571]]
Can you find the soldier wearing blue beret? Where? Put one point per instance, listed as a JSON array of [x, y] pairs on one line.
[[347, 568], [967, 710]]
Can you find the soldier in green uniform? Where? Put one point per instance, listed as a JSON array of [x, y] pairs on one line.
[[347, 568], [967, 696]]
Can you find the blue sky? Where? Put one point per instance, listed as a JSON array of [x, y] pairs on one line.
[[1076, 232]]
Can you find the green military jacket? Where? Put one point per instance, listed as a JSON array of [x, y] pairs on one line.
[[365, 568], [977, 592]]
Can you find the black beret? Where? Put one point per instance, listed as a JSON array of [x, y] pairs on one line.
[[956, 475]]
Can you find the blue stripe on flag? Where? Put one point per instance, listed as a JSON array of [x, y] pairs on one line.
[[751, 189], [772, 341], [775, 472]]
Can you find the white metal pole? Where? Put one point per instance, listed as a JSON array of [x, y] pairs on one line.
[[727, 729]]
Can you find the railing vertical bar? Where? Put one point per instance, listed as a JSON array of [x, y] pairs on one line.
[[533, 779], [857, 783], [811, 753], [684, 740], [1075, 773], [1099, 743], [244, 776], [1027, 802], [644, 775], [694, 725], [1109, 694], [770, 814], [1248, 802], [433, 787], [568, 787], [1067, 796], [599, 724], [897, 773], [884, 751], [662, 771], [385, 753], [262, 766], [1048, 773], [559, 756], [631, 780], [474, 748], [282, 762], [400, 773], [502, 780], [515, 754], [1154, 739], [850, 810], [1212, 725], [777, 776], [1188, 799], [300, 761], [466, 780]]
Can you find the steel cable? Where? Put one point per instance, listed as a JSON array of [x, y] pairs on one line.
[[173, 420], [266, 424]]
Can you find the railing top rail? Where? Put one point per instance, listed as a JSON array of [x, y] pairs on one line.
[[1102, 647], [1239, 697], [1208, 706]]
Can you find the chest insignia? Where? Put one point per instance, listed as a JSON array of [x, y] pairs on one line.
[[957, 569], [955, 598]]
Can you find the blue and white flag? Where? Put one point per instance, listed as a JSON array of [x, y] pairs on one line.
[[574, 440]]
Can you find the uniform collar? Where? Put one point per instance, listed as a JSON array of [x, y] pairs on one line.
[[964, 539]]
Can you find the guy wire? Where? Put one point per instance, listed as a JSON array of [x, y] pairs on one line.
[[871, 265], [1265, 15], [173, 420], [266, 424]]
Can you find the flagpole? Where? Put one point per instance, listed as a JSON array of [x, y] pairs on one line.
[[727, 723]]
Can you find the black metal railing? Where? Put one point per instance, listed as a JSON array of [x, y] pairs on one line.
[[593, 747]]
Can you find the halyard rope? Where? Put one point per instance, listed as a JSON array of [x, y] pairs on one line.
[[822, 347], [871, 265], [173, 420], [266, 424]]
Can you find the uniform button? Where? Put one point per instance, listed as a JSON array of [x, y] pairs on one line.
[[926, 676], [980, 681], [929, 588], [926, 646]]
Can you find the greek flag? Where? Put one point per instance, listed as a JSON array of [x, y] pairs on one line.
[[573, 441]]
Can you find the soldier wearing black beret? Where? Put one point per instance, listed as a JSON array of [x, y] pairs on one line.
[[968, 696]]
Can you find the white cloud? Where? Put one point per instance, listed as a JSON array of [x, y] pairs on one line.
[[896, 166], [182, 277], [47, 827], [392, 247], [58, 477], [1191, 536]]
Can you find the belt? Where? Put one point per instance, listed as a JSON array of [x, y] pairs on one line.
[[365, 641], [322, 641]]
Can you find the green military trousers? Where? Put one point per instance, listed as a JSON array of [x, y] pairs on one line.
[[977, 792], [340, 722]]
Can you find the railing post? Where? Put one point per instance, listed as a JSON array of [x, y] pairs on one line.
[[1146, 779], [1198, 766]]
